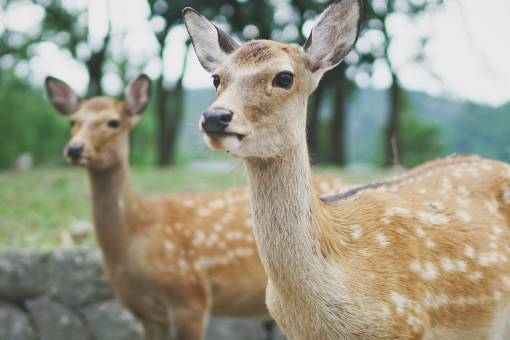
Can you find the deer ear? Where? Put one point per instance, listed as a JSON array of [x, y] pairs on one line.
[[63, 98], [136, 97], [333, 36], [211, 44]]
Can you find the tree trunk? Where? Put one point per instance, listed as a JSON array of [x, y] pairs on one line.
[[95, 68], [313, 122], [170, 110], [392, 138], [338, 154]]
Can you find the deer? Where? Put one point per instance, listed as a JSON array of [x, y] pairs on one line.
[[422, 256], [172, 259]]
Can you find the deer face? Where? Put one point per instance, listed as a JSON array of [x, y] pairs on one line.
[[262, 85], [100, 125], [256, 112]]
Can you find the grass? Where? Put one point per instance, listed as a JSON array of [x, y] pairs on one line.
[[38, 206]]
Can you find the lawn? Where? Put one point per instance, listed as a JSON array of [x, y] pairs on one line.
[[38, 206]]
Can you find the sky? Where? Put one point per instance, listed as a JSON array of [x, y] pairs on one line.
[[467, 54]]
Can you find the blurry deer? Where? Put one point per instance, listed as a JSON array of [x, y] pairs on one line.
[[172, 260], [423, 256]]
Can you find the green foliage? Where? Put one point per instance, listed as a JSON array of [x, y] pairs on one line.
[[28, 124], [418, 140]]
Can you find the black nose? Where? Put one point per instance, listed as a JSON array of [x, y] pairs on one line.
[[216, 120], [74, 150]]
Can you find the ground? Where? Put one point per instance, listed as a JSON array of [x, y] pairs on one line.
[[42, 207]]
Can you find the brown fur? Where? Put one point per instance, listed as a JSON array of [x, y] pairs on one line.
[[172, 260], [424, 256]]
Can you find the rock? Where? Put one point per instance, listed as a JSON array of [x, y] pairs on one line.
[[54, 321], [111, 321], [236, 329], [277, 333], [75, 277], [14, 323], [22, 274]]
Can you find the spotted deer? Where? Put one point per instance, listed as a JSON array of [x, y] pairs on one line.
[[172, 260], [423, 256]]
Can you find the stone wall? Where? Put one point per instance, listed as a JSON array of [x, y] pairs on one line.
[[63, 295]]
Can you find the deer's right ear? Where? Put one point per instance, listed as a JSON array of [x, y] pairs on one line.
[[211, 44], [63, 98], [333, 36]]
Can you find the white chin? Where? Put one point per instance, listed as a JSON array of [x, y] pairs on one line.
[[225, 143]]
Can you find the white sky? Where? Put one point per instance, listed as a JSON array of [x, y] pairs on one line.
[[467, 54]]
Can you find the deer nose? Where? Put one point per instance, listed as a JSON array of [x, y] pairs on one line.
[[74, 151], [216, 120]]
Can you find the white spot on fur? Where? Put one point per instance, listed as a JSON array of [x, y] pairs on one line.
[[182, 263], [457, 173], [218, 227], [365, 252], [475, 276], [356, 231], [422, 191], [435, 300], [227, 218], [400, 302], [462, 189], [473, 171], [506, 280], [463, 215], [447, 185], [217, 204], [469, 251], [199, 238], [393, 212], [188, 203], [168, 245], [383, 240], [492, 205], [462, 201], [429, 243], [447, 265], [420, 232], [385, 309], [177, 225], [248, 222], [497, 230], [487, 167], [493, 244], [203, 212], [416, 265], [430, 271], [431, 218], [497, 294], [249, 238]]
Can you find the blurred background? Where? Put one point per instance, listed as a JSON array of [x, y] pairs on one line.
[[427, 78]]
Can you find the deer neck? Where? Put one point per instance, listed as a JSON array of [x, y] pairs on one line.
[[113, 206], [284, 210]]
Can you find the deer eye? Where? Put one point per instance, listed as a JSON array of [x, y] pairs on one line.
[[114, 123], [216, 81], [283, 79]]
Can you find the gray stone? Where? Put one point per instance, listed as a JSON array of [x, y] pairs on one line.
[[75, 276], [54, 321], [111, 321], [236, 329], [277, 333], [22, 274], [14, 323]]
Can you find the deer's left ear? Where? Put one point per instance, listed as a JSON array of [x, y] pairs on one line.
[[136, 97], [211, 44], [333, 36]]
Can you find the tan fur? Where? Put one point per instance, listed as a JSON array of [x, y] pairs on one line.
[[171, 259], [424, 256]]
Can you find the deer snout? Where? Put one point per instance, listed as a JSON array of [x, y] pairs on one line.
[[216, 120], [74, 151]]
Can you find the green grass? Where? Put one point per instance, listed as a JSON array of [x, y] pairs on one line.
[[37, 205]]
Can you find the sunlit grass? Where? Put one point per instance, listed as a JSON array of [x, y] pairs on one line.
[[37, 205]]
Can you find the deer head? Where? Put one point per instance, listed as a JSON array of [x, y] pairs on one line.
[[100, 125], [262, 86]]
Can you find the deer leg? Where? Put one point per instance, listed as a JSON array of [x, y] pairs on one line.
[[156, 331], [189, 323]]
